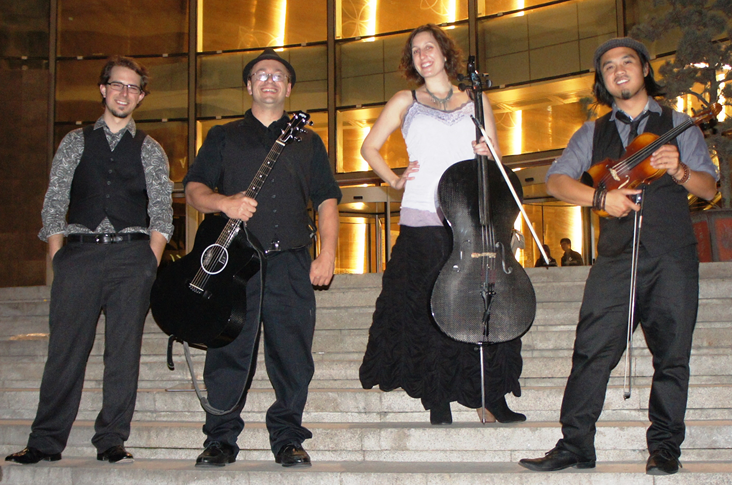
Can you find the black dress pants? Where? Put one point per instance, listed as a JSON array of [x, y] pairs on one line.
[[288, 316], [89, 278], [666, 307]]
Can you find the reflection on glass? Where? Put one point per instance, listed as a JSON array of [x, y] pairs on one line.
[[361, 18], [368, 70], [358, 244], [353, 126], [108, 27], [552, 221], [78, 97], [24, 28], [173, 136], [248, 24]]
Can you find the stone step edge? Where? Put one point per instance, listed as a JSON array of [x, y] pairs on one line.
[[165, 471]]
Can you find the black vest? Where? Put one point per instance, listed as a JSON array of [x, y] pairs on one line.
[[109, 184], [666, 222]]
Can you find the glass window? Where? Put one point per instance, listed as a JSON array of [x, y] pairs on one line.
[[368, 70], [173, 136], [353, 126], [540, 117], [493, 7], [546, 42], [221, 91], [247, 24], [78, 97], [362, 18], [552, 222], [133, 27], [24, 28]]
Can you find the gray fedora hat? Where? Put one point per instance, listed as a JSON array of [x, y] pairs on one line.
[[621, 42], [269, 54]]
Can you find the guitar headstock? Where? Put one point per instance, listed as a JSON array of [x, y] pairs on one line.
[[297, 125]]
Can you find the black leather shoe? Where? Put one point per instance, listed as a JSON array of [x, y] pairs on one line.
[[661, 462], [29, 456], [503, 414], [116, 454], [556, 459], [216, 454], [293, 455], [441, 414]]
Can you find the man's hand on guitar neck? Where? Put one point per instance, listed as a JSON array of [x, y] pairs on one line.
[[238, 206], [203, 199]]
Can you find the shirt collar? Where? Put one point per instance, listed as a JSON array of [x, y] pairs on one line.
[[652, 105], [131, 126]]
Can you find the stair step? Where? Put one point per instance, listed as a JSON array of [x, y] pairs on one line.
[[174, 472], [540, 403], [408, 441]]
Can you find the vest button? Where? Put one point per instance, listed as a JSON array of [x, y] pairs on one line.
[[111, 171], [109, 182], [107, 196]]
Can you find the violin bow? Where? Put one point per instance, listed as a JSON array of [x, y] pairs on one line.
[[510, 187]]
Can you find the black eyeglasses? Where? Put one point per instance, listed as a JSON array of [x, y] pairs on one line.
[[131, 88], [262, 76]]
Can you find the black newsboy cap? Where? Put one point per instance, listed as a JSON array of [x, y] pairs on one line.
[[268, 54]]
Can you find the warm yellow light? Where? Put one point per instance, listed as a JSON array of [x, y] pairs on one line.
[[517, 133], [359, 248], [575, 229], [282, 23], [451, 11], [371, 17]]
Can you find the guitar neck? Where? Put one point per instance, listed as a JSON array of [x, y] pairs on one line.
[[265, 169]]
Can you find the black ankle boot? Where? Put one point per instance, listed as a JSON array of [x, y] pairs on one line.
[[441, 414], [503, 413]]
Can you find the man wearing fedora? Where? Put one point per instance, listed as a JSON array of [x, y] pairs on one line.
[[226, 164], [667, 267]]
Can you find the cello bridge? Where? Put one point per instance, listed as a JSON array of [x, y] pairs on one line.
[[487, 254]]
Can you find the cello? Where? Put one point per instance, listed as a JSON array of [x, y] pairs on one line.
[[482, 294]]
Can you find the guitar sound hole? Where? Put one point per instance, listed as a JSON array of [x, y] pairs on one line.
[[214, 259]]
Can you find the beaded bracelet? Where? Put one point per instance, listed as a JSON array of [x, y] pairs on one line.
[[685, 177]]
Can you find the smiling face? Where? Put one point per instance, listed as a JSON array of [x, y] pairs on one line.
[[269, 92], [121, 104], [427, 57], [623, 72]]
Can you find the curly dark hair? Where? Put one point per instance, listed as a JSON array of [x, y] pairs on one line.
[[129, 63], [447, 46], [603, 96]]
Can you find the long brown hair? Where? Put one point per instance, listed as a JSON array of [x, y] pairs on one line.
[[449, 49]]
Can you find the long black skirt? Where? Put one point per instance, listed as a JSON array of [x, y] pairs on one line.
[[407, 349]]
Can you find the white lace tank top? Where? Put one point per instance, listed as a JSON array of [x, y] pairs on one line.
[[436, 139]]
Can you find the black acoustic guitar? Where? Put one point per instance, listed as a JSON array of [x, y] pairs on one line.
[[201, 298]]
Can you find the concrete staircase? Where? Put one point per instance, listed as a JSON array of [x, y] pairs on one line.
[[368, 436]]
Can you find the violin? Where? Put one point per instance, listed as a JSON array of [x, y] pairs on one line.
[[635, 168]]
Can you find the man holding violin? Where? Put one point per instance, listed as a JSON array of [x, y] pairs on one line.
[[667, 269]]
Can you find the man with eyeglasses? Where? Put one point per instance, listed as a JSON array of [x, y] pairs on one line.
[[225, 166], [109, 196]]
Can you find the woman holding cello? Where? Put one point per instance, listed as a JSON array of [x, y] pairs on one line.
[[406, 348]]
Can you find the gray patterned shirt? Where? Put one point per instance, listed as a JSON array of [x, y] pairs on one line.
[[67, 158]]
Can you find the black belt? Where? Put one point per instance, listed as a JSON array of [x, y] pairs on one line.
[[106, 238]]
